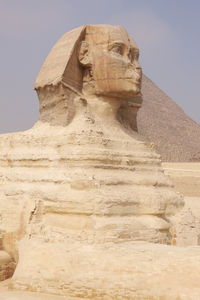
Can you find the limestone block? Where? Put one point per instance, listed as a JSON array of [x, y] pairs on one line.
[[186, 228], [110, 271]]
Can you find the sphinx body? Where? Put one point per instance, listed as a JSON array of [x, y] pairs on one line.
[[92, 192]]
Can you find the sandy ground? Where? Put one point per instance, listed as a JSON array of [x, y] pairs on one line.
[[5, 294], [185, 176], [29, 296]]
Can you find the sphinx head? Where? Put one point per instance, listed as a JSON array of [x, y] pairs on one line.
[[99, 60], [109, 57]]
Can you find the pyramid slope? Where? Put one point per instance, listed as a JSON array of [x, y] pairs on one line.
[[161, 120]]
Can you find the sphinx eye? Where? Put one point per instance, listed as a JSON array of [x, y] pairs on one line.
[[133, 55], [117, 48], [130, 56]]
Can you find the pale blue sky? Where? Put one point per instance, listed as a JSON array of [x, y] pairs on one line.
[[166, 31]]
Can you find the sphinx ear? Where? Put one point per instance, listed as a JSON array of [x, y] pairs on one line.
[[84, 54]]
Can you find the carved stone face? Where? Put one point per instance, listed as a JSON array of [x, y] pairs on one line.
[[110, 58]]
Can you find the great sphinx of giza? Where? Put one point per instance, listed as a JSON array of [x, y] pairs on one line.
[[85, 202]]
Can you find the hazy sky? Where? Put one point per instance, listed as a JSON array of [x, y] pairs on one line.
[[166, 31]]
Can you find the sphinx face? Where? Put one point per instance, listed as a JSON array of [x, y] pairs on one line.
[[114, 63]]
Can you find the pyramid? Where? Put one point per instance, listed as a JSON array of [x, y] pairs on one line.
[[162, 121]]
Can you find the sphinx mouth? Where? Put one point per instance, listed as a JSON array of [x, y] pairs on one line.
[[135, 78], [138, 80]]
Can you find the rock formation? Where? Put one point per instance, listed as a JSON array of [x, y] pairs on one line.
[[85, 204]]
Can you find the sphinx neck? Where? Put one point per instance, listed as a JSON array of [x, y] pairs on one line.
[[104, 109]]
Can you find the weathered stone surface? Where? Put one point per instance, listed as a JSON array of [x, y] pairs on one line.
[[186, 229], [7, 265], [113, 271], [185, 177], [84, 200]]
